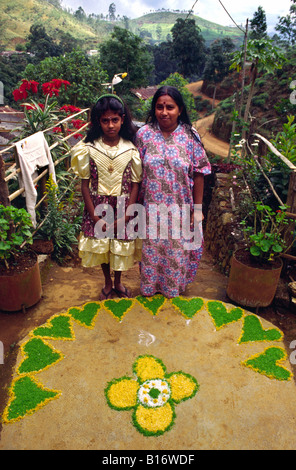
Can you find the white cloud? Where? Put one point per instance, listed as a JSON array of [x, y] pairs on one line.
[[211, 10]]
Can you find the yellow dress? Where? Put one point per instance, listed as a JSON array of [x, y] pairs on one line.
[[111, 170]]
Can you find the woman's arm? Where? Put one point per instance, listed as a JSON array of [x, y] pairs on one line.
[[198, 190]]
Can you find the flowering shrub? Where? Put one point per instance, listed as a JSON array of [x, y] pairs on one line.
[[40, 116], [21, 93], [50, 88], [53, 87]]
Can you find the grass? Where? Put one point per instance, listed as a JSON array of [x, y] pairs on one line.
[[17, 17]]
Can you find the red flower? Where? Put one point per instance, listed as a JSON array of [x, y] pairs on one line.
[[53, 87], [57, 129], [77, 123], [19, 94], [34, 86], [25, 85], [68, 108], [29, 85]]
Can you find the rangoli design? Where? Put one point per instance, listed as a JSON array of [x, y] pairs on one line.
[[152, 394]]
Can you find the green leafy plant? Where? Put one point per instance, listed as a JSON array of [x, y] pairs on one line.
[[15, 230], [267, 237], [59, 226], [285, 140]]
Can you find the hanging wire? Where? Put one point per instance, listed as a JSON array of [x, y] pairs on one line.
[[232, 18]]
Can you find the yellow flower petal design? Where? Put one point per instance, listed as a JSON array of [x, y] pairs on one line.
[[122, 393], [183, 386], [149, 367], [154, 421]]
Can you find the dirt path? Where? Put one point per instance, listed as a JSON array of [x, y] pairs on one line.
[[211, 142], [204, 126]]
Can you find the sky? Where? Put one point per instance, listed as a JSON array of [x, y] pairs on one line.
[[210, 10]]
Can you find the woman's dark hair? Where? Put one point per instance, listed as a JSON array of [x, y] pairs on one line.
[[109, 103], [176, 96]]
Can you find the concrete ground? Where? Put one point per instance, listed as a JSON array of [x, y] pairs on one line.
[[234, 408]]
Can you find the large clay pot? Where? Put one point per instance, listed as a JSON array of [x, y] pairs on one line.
[[21, 290], [251, 286]]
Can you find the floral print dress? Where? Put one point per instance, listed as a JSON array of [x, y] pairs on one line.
[[169, 166]]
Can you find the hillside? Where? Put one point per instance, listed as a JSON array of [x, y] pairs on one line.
[[17, 16], [159, 25]]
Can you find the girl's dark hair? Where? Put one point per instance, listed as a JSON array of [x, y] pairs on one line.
[[108, 103], [176, 96]]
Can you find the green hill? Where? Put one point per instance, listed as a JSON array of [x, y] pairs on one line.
[[159, 25], [17, 16]]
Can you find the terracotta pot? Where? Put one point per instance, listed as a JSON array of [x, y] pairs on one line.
[[250, 286], [21, 290]]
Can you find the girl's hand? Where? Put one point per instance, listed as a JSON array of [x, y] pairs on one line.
[[100, 224], [120, 222]]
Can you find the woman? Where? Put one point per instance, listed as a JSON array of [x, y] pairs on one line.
[[174, 165]]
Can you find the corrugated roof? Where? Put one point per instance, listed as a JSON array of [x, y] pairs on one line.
[[145, 93]]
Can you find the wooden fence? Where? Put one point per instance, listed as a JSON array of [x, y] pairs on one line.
[[10, 168]]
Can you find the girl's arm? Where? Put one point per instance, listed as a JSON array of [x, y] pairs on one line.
[[134, 196], [87, 200], [132, 200]]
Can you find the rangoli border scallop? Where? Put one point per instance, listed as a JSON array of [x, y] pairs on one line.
[[60, 327]]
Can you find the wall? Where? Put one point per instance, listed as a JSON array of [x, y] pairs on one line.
[[222, 233]]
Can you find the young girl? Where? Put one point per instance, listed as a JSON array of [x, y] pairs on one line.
[[109, 166]]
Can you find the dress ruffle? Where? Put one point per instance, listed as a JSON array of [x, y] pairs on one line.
[[120, 254]]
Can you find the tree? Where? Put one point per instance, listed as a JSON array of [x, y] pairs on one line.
[[164, 61], [264, 56], [67, 42], [41, 44], [189, 47], [286, 27], [258, 24], [84, 73], [126, 52], [112, 10], [218, 62], [80, 14]]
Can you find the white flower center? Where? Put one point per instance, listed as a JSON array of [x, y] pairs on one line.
[[154, 393]]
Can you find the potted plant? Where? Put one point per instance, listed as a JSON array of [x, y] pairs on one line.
[[256, 268], [20, 283]]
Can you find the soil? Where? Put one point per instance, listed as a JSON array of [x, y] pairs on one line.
[[18, 263], [245, 258]]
